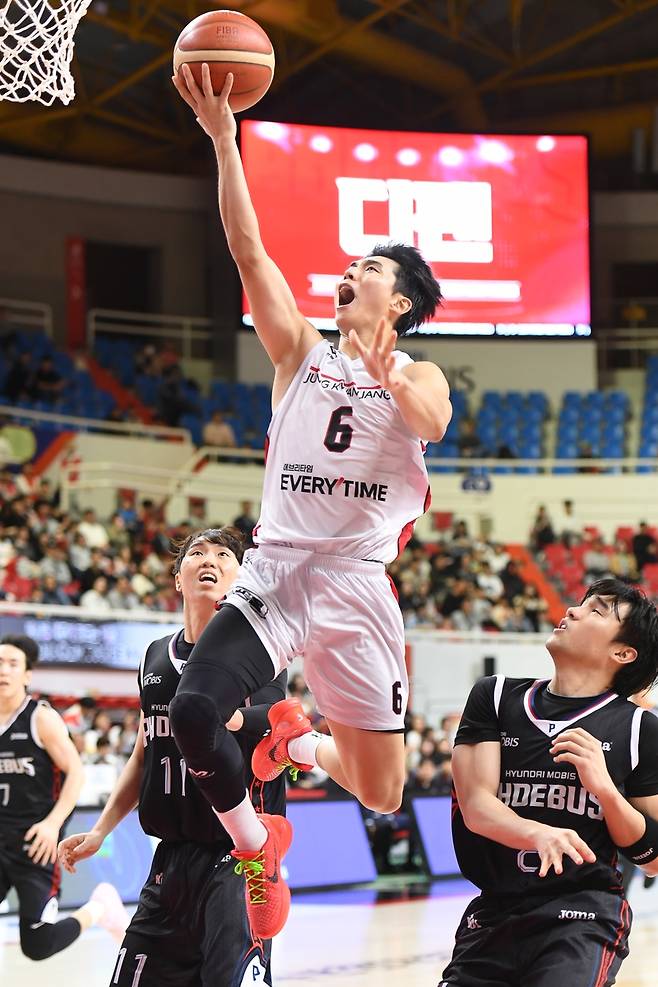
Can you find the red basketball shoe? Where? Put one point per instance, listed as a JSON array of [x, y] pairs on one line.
[[287, 721], [267, 894]]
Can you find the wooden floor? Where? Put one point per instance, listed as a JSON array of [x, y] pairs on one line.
[[335, 941]]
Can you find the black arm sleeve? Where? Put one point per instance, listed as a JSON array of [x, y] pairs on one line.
[[644, 779], [255, 714], [479, 721]]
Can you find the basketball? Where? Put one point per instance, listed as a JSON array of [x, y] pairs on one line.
[[229, 42]]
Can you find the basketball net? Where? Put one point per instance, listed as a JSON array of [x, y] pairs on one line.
[[36, 48]]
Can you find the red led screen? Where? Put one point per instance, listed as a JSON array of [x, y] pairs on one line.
[[503, 220]]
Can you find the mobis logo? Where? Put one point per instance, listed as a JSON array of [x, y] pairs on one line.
[[449, 221]]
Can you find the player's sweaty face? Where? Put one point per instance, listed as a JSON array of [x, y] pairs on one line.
[[14, 675], [364, 293], [207, 570]]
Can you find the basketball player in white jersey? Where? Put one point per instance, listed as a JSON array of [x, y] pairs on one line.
[[344, 482]]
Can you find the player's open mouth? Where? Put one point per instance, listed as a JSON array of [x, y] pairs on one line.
[[346, 294], [562, 626], [208, 577]]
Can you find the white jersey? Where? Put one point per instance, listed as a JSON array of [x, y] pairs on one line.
[[344, 475]]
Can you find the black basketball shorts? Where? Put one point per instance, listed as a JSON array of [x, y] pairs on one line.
[[190, 928], [578, 940], [37, 886]]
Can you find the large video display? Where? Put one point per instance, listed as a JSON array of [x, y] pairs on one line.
[[503, 219]]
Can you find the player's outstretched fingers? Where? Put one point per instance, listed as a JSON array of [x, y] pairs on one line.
[[183, 91], [191, 83]]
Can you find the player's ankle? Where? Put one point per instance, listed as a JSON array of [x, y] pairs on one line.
[[303, 750]]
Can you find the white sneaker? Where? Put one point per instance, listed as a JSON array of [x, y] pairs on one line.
[[115, 918]]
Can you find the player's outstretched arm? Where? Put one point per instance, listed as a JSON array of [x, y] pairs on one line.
[[476, 773], [123, 800], [43, 835], [284, 332]]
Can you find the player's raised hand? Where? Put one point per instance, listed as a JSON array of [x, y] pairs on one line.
[[580, 748], [378, 358], [212, 112], [78, 847], [553, 844], [42, 838]]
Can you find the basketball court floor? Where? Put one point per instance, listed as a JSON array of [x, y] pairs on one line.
[[339, 939]]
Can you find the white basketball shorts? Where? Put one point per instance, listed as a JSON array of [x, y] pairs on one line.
[[341, 616]]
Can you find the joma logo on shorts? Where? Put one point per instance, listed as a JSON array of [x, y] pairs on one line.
[[571, 913]]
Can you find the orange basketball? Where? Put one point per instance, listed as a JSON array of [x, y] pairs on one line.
[[229, 42]]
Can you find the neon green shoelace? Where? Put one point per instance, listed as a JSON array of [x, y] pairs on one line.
[[254, 872]]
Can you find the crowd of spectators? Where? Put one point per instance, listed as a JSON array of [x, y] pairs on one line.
[[463, 583], [52, 556], [576, 553]]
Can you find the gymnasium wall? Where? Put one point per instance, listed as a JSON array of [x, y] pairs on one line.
[[42, 203]]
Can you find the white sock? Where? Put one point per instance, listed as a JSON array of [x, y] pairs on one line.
[[303, 749], [243, 825], [96, 909]]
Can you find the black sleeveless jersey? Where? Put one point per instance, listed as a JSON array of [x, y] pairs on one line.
[[171, 805], [30, 782], [525, 718]]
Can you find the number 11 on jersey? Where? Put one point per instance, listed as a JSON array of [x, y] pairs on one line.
[[166, 763]]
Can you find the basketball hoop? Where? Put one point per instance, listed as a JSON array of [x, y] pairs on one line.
[[36, 48]]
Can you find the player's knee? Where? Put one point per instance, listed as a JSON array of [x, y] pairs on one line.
[[380, 796], [194, 720], [37, 944]]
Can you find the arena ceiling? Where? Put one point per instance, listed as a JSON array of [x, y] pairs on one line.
[[474, 65]]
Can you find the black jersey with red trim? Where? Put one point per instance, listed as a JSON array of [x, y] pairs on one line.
[[30, 782], [171, 805], [525, 718]]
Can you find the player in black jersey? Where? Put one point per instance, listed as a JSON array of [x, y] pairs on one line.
[[40, 779], [191, 926], [551, 779]]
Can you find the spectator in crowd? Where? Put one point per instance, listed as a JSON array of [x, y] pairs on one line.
[[596, 561], [98, 566], [425, 779], [534, 606], [466, 617], [567, 525], [622, 563], [122, 595], [172, 401], [469, 444], [644, 547], [490, 583], [512, 580], [542, 533], [117, 532], [141, 582], [93, 532], [245, 522], [219, 433], [96, 598], [54, 564], [127, 511], [52, 592], [79, 555], [47, 384]]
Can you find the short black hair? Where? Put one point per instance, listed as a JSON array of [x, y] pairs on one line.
[[638, 630], [227, 536], [414, 280], [26, 644]]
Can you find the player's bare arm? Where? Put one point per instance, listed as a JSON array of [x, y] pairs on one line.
[[421, 391], [284, 332], [43, 835], [123, 800], [476, 773]]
